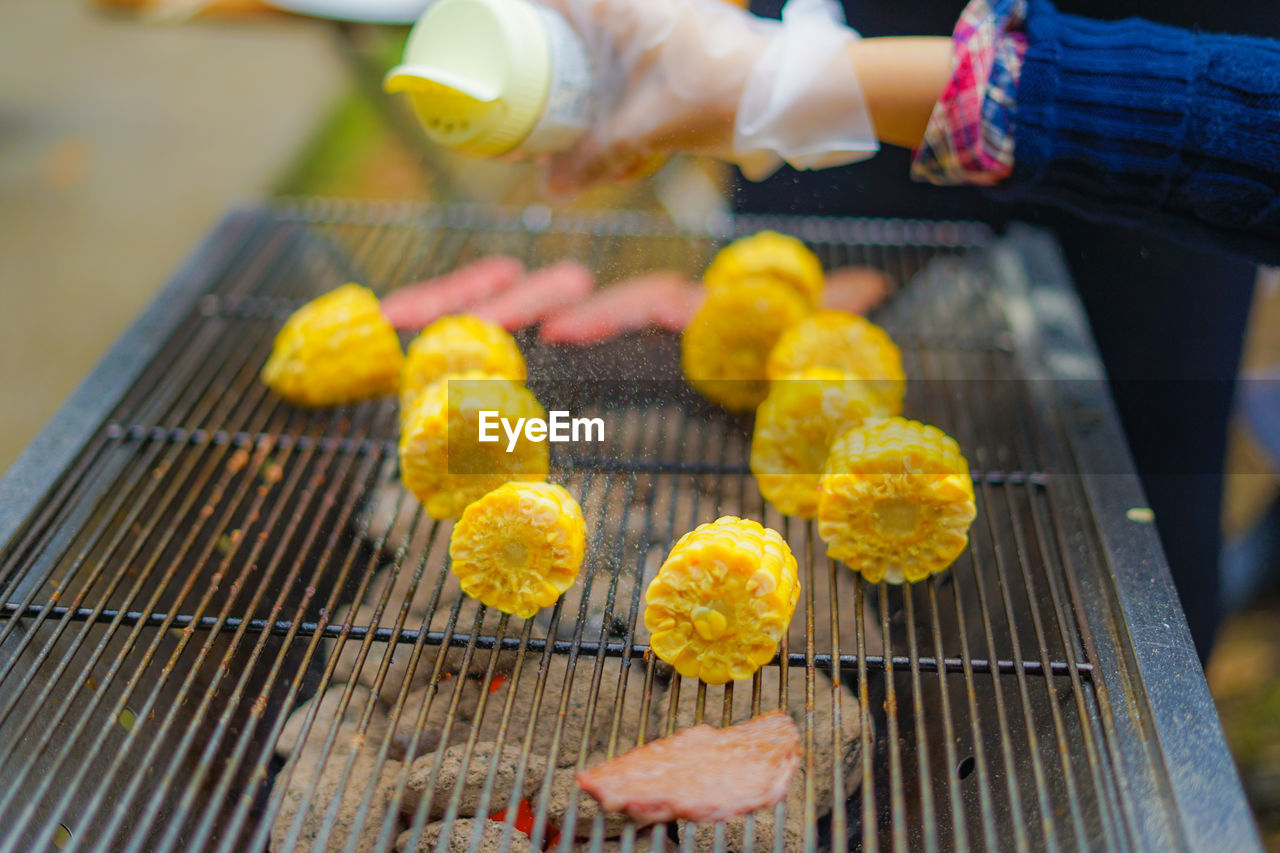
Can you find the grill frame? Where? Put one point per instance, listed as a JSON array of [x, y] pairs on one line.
[[1163, 733], [1154, 672]]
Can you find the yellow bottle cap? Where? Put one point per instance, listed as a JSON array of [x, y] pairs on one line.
[[477, 73]]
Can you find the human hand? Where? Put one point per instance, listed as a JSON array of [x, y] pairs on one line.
[[703, 76]]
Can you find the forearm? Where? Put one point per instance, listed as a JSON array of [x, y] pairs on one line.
[[901, 79], [711, 79]]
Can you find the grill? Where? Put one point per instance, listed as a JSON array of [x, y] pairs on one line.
[[182, 553]]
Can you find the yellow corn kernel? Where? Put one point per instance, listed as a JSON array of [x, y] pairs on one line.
[[846, 342], [455, 344], [442, 460], [722, 600], [896, 501], [335, 349], [795, 427], [724, 348], [519, 547], [770, 256]]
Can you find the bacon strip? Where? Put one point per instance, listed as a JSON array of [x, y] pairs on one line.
[[701, 773], [665, 298], [543, 292], [416, 305]]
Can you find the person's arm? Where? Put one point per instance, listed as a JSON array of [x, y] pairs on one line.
[[1150, 125], [901, 79], [1122, 121], [703, 76]]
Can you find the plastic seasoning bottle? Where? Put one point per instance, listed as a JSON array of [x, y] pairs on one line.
[[493, 77]]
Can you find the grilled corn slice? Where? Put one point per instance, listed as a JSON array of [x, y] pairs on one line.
[[335, 349], [724, 348], [456, 344], [722, 600], [795, 427], [770, 256], [896, 501], [519, 547], [442, 460], [845, 342]]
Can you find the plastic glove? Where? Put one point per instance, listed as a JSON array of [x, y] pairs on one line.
[[702, 76]]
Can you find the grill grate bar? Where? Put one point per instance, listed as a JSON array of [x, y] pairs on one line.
[[688, 839], [839, 828], [951, 766], [235, 825], [897, 795], [269, 308], [419, 819], [870, 838], [199, 436], [537, 220], [1029, 442], [1024, 443], [80, 479], [305, 629], [87, 541], [1100, 716], [542, 819], [53, 524], [680, 438], [294, 483], [335, 728], [1075, 633], [539, 689], [1033, 747], [929, 828], [1102, 796], [278, 792], [810, 752], [998, 562], [632, 603], [559, 458], [977, 551], [257, 707], [248, 404], [47, 610], [115, 620], [592, 700], [150, 701], [630, 649], [629, 842], [967, 563], [253, 401], [131, 510], [264, 696]]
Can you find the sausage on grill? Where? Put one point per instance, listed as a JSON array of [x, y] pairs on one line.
[[543, 292], [662, 299], [415, 305]]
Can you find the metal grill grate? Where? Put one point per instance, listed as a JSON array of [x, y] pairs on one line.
[[174, 588]]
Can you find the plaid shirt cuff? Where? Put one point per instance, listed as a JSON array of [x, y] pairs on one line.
[[969, 139]]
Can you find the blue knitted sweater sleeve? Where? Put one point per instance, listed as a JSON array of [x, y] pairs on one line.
[[1145, 124]]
